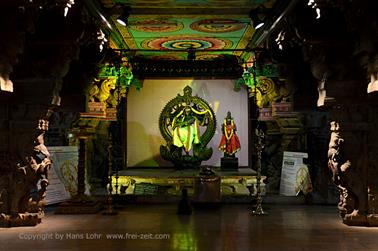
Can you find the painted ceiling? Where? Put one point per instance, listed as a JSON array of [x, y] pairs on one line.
[[187, 3], [172, 29]]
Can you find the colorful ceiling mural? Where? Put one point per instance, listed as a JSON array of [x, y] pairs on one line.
[[168, 37], [191, 3], [162, 29]]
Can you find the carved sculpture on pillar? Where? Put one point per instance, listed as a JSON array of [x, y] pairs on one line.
[[373, 72], [353, 197], [269, 92], [320, 69], [21, 200]]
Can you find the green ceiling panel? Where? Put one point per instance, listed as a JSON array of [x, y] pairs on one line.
[[188, 2], [162, 29]]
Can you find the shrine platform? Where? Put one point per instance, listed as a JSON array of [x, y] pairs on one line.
[[167, 183]]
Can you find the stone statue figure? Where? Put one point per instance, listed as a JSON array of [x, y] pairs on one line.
[[353, 198], [229, 143], [187, 124]]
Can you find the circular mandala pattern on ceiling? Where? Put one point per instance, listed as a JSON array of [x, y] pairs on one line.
[[184, 43], [155, 25], [217, 25]]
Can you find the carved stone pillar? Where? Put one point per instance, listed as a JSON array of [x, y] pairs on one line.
[[24, 171], [18, 205], [372, 172], [348, 160], [38, 77]]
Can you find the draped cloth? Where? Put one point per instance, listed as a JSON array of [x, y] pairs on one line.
[[186, 134]]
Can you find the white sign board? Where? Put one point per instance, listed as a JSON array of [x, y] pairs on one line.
[[291, 164], [56, 192], [63, 174]]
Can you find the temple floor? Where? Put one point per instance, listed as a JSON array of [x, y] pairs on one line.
[[228, 227]]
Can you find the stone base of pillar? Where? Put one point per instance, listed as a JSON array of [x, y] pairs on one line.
[[21, 220], [372, 220], [355, 220]]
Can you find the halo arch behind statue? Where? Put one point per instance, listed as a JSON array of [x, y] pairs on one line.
[[172, 120]]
